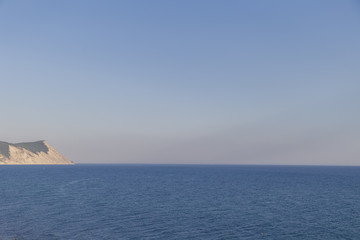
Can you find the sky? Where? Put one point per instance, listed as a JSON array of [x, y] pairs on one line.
[[183, 82]]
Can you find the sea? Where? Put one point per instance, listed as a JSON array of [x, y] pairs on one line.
[[84, 202]]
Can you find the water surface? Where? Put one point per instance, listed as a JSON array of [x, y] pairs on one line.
[[84, 202]]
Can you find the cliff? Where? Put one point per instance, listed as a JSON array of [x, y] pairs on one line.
[[30, 153]]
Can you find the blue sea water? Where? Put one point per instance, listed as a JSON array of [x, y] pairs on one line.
[[179, 202]]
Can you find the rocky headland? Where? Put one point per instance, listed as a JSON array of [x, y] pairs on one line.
[[30, 153]]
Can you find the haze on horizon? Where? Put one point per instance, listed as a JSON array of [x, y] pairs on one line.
[[234, 82]]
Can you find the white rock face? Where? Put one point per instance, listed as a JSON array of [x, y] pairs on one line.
[[30, 153]]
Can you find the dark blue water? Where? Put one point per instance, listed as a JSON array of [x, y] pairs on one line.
[[179, 202]]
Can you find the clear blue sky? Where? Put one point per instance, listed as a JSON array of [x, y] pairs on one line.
[[224, 82]]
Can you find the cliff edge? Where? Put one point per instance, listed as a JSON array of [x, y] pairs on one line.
[[30, 153]]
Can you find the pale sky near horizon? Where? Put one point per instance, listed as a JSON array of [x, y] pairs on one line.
[[217, 82]]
